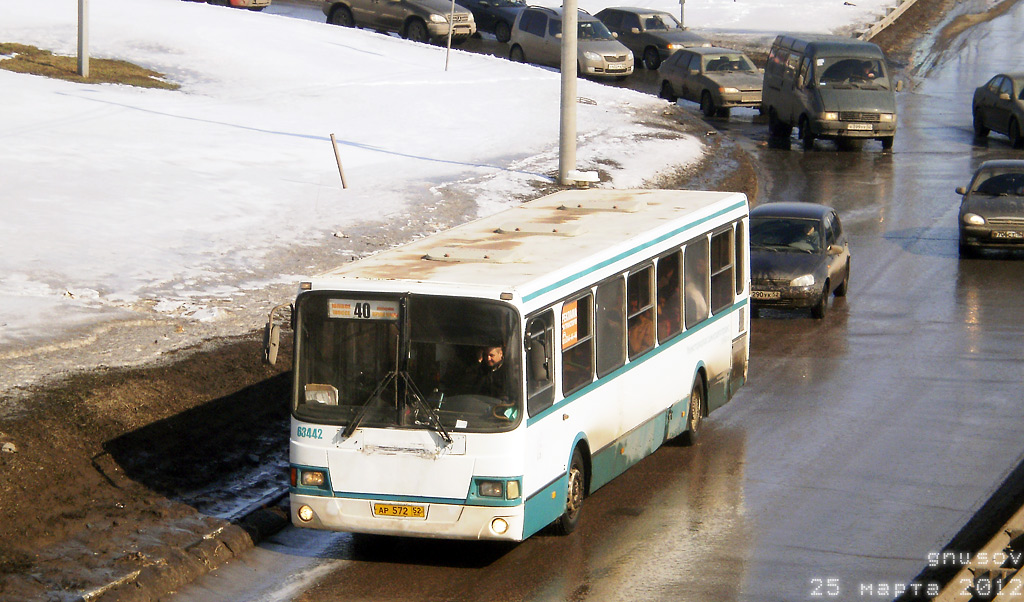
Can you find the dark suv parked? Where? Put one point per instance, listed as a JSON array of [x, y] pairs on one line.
[[651, 34]]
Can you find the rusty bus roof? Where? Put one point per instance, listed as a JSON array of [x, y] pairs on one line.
[[528, 246]]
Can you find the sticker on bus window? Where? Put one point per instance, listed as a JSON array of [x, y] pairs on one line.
[[569, 324], [355, 309]]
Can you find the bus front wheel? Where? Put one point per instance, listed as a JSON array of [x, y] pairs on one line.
[[567, 523]]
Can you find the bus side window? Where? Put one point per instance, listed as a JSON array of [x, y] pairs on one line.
[[722, 294], [611, 326], [695, 282], [577, 344], [640, 312], [669, 300], [739, 256], [540, 389]]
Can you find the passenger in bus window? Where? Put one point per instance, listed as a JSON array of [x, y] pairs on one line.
[[641, 329], [668, 297]]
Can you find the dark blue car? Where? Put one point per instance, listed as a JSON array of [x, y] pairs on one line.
[[495, 16]]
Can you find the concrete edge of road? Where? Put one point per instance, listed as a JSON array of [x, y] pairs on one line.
[[184, 564]]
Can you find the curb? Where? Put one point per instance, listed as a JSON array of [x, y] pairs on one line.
[[181, 566]]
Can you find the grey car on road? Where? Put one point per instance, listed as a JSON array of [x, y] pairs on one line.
[[717, 78], [998, 106], [651, 35], [416, 20], [992, 207], [799, 256]]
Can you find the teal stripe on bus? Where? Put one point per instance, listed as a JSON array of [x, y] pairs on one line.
[[633, 364], [633, 251]]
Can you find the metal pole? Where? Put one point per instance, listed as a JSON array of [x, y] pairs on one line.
[[451, 26], [682, 23], [337, 157], [83, 38], [567, 115]]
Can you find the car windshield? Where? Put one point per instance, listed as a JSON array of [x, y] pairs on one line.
[[454, 363], [593, 30], [659, 22], [864, 73], [785, 234], [727, 62], [995, 183], [507, 3]]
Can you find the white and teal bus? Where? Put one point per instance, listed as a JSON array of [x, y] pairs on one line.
[[481, 382]]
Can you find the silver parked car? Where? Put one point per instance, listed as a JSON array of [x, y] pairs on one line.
[[992, 208], [717, 78], [999, 106], [537, 38], [416, 20], [799, 256], [651, 35]]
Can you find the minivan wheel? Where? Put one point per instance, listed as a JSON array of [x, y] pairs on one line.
[[667, 93], [707, 106], [503, 32], [1015, 140], [887, 143], [806, 135], [342, 16], [652, 59], [416, 31], [979, 125], [516, 54], [776, 128]]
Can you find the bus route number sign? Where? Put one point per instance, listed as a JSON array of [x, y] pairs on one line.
[[357, 309]]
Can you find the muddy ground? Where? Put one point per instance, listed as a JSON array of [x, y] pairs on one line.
[[99, 468]]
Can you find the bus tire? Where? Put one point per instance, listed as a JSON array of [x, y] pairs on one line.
[[575, 493], [698, 407]]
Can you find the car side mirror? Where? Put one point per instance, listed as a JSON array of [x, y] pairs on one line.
[[835, 249], [634, 30], [615, 34], [1004, 96], [899, 85], [694, 71], [760, 70], [961, 190], [558, 36]]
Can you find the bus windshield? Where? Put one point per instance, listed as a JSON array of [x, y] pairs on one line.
[[413, 361]]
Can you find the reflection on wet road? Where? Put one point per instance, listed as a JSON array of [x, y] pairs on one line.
[[861, 443]]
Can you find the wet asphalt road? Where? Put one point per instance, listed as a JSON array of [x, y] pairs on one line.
[[861, 443]]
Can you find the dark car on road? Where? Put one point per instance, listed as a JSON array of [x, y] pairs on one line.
[[717, 78], [998, 106], [799, 256], [495, 16], [652, 35], [416, 20], [992, 208]]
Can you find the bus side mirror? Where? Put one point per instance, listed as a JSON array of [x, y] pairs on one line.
[[271, 342]]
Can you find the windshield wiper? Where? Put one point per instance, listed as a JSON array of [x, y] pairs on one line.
[[413, 391]]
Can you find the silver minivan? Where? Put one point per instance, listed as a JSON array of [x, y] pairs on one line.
[[537, 38], [829, 87]]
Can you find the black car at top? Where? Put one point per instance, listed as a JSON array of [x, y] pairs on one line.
[[495, 16], [652, 35]]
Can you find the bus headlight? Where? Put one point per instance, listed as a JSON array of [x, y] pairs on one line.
[[974, 219], [490, 488], [805, 280], [312, 478], [305, 513]]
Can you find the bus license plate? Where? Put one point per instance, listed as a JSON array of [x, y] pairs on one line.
[[400, 510], [765, 294], [864, 127], [1007, 234]]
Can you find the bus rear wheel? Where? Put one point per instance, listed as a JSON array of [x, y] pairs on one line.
[[698, 407], [568, 522]]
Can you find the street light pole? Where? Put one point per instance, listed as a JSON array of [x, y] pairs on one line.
[[567, 114], [83, 38], [682, 23]]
